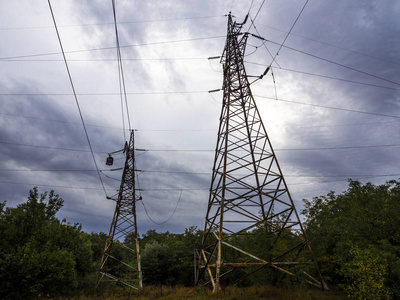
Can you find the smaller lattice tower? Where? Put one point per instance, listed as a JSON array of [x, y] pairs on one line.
[[121, 260], [248, 193]]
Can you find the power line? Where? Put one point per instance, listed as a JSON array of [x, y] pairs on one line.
[[52, 186], [205, 173], [175, 130], [336, 63], [285, 149], [76, 98], [206, 150], [251, 5], [111, 48], [173, 189], [52, 148], [348, 124], [111, 23], [58, 121], [103, 59], [108, 127], [258, 11], [331, 107], [55, 170], [151, 219], [121, 76], [328, 77], [291, 28], [331, 45], [102, 94]]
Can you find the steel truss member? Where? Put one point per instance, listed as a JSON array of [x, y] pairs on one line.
[[248, 192], [121, 260]]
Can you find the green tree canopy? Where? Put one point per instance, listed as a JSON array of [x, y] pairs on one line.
[[356, 236], [38, 253]]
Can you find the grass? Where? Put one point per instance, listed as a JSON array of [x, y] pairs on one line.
[[229, 293]]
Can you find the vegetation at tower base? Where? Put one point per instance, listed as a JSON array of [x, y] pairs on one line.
[[38, 253], [355, 236]]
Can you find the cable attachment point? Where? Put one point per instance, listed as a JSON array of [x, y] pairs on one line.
[[265, 72], [258, 37]]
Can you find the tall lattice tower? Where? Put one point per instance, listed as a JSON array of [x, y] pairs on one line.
[[248, 191], [120, 263]]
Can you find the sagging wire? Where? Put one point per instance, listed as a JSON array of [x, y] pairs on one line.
[[255, 50], [213, 67], [258, 36], [176, 207], [210, 93], [109, 177]]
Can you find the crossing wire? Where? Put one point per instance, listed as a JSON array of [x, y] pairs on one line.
[[121, 76], [298, 16], [211, 150], [110, 48], [76, 98]]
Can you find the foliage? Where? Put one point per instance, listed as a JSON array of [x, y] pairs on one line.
[[168, 258], [158, 264], [356, 236], [366, 272], [39, 255]]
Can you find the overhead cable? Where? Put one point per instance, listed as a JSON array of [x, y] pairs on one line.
[[331, 107], [291, 28], [328, 77], [176, 130], [331, 45], [111, 23], [121, 76], [161, 223], [204, 173], [76, 98], [111, 48], [206, 150], [336, 63]]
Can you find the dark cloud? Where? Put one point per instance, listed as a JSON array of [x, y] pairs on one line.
[[341, 39]]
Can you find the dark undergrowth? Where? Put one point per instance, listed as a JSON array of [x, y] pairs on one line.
[[229, 293]]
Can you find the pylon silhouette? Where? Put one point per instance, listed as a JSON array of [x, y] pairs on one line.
[[248, 190], [123, 265]]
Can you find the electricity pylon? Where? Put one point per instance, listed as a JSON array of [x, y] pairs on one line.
[[122, 264], [248, 191]]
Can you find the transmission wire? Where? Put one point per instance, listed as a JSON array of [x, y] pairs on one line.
[[145, 210], [76, 98], [298, 16], [121, 72]]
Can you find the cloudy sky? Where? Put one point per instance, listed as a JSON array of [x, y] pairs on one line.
[[333, 112]]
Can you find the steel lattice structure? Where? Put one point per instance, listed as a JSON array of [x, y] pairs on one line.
[[123, 264], [248, 190]]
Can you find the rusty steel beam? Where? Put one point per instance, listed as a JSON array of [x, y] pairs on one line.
[[248, 189], [124, 223]]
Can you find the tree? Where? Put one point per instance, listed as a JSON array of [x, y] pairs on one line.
[[38, 253], [356, 236], [158, 264], [168, 258]]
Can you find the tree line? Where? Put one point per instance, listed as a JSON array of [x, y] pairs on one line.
[[355, 236]]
